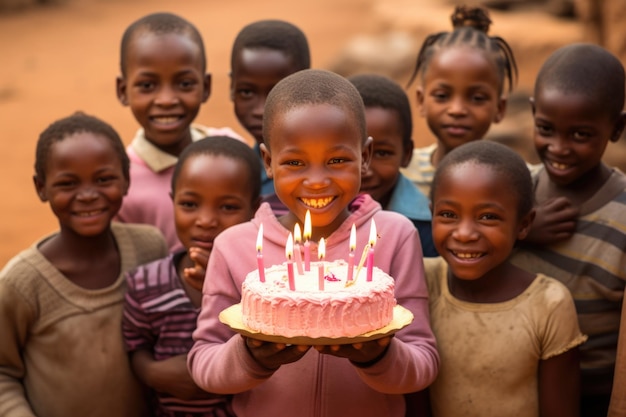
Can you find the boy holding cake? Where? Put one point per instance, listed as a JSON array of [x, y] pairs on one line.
[[316, 151]]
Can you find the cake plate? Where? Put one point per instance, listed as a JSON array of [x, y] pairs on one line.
[[232, 317]]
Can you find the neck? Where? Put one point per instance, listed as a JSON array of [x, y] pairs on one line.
[[579, 191]]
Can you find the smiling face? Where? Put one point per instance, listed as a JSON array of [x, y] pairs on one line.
[[571, 134], [84, 183], [255, 72], [212, 193], [460, 96], [389, 154], [164, 86], [476, 220], [316, 156]]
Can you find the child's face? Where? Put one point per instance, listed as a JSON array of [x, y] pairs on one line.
[[254, 74], [212, 193], [571, 134], [389, 154], [475, 220], [316, 158], [460, 96], [164, 87], [84, 183]]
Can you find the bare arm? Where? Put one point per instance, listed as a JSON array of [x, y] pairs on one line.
[[559, 385]]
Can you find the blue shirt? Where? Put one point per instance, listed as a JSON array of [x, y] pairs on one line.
[[267, 184]]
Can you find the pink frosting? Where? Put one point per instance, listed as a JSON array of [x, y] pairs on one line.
[[339, 311]]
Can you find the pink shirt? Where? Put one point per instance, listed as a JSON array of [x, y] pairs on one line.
[[316, 385]]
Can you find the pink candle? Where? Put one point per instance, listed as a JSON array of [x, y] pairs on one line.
[[259, 254], [370, 253], [297, 237], [307, 244], [288, 253], [351, 254], [320, 267]]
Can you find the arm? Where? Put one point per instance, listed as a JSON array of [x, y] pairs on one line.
[[617, 407], [16, 317], [559, 385], [555, 220]]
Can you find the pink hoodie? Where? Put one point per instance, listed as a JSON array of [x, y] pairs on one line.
[[316, 385]]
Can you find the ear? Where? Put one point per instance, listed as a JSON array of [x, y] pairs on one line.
[[121, 87], [267, 160], [525, 225], [207, 87], [419, 93], [407, 154], [619, 127], [366, 154], [501, 110], [40, 189], [531, 100], [232, 86]]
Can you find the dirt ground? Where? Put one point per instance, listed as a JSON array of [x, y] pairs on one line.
[[64, 57]]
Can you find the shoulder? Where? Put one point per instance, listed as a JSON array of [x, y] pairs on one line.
[[435, 270], [145, 240], [155, 274], [549, 291]]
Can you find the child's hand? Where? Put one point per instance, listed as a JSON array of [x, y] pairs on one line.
[[273, 355], [174, 379], [359, 353], [195, 276], [555, 220]]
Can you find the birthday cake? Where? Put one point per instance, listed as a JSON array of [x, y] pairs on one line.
[[341, 309]]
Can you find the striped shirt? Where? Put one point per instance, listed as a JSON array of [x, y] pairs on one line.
[[592, 264], [160, 317]]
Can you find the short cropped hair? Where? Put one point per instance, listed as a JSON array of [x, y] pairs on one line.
[[503, 160], [229, 148], [588, 70], [78, 122], [313, 87], [161, 24], [382, 92], [276, 35]]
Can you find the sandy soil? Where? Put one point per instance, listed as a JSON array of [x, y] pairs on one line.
[[62, 58]]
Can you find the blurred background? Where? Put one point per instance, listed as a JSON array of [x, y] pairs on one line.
[[59, 56]]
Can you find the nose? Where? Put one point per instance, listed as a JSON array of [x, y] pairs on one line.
[[87, 193], [558, 145], [457, 107], [207, 218], [465, 231], [166, 96], [259, 106], [317, 178]]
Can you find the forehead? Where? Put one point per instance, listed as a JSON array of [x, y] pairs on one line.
[[209, 170], [315, 121], [82, 147], [263, 61], [471, 181], [382, 119], [148, 48], [464, 64], [578, 108]]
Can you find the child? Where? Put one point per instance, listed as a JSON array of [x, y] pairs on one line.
[[315, 149], [462, 75], [389, 123], [264, 52], [164, 82], [507, 338], [215, 185], [577, 107], [61, 350]]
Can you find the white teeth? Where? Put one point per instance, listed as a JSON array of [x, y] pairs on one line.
[[467, 255], [317, 202], [556, 165], [165, 119], [88, 213]]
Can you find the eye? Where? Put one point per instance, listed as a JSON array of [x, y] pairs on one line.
[[382, 153], [479, 98], [543, 130], [439, 95], [245, 93], [333, 161], [581, 136], [489, 217], [146, 86], [65, 184], [107, 179], [187, 204], [446, 214], [293, 163], [187, 84], [231, 207]]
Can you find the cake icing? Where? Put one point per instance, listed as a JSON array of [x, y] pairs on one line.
[[340, 310]]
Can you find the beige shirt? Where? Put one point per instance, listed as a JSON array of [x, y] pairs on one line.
[[490, 353]]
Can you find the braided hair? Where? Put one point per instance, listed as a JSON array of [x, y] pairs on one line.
[[470, 28]]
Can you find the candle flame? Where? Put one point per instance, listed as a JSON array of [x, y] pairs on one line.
[[307, 225], [289, 247], [372, 241], [321, 249], [297, 235], [353, 238], [259, 239]]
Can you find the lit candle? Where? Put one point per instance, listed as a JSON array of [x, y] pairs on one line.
[[321, 250], [297, 237], [288, 253], [307, 244], [370, 253], [351, 254], [259, 254]]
